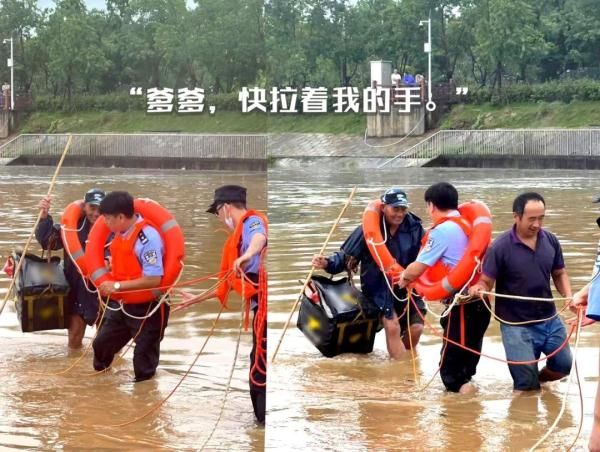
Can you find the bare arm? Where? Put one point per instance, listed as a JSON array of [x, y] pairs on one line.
[[485, 284], [561, 282], [145, 282], [411, 273], [257, 243]]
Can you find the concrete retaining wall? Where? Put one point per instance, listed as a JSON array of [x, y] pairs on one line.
[[515, 161], [147, 162]]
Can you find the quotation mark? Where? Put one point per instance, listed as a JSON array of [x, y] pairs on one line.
[[461, 90], [139, 91]]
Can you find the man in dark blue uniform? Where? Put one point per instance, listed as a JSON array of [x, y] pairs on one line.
[[83, 305], [404, 234]]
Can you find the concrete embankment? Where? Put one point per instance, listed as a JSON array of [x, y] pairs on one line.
[[145, 162], [516, 161]]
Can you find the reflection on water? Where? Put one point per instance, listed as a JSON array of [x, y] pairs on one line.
[[76, 410], [368, 402]]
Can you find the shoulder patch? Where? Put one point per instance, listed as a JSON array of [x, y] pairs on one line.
[[151, 257], [254, 225], [143, 238], [428, 245]]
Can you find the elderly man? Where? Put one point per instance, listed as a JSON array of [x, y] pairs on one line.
[[83, 305], [404, 234]]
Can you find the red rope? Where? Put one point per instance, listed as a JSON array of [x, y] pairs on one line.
[[535, 361], [260, 324], [180, 284]]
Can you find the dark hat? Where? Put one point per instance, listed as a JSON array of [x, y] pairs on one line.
[[94, 196], [395, 197], [596, 199], [227, 193]]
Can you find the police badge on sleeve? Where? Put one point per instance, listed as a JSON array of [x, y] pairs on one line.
[[428, 245], [151, 257]]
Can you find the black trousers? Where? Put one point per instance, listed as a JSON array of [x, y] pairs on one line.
[[258, 379], [117, 329], [465, 324]]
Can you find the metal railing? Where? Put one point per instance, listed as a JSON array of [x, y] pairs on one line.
[[157, 145], [506, 142]]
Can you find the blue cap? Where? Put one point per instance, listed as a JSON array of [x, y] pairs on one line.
[[395, 197]]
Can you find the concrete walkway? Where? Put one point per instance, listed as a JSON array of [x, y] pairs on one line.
[[303, 145]]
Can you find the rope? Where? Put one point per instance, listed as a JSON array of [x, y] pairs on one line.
[[308, 278], [518, 297], [155, 309], [580, 406], [186, 304], [121, 355], [28, 242], [525, 322], [161, 403], [412, 351], [78, 360], [443, 352], [397, 142], [259, 326], [235, 356], [564, 402], [535, 361], [387, 282]]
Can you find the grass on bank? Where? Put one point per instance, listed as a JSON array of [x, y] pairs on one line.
[[485, 116], [220, 122], [524, 115]]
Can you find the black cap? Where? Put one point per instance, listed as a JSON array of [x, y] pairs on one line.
[[94, 196], [596, 199], [227, 193], [395, 197]]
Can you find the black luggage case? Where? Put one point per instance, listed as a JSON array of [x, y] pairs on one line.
[[42, 290], [340, 319]]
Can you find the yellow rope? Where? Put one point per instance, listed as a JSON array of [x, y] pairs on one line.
[[307, 279], [158, 405], [78, 360], [525, 322], [412, 351], [235, 356], [564, 403]]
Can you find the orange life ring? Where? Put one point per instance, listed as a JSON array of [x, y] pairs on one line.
[[171, 234], [371, 222], [70, 225], [440, 286]]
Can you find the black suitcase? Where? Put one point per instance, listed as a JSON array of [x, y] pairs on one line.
[[42, 290], [339, 318]]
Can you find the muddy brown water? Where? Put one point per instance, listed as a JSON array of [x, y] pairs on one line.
[[75, 411], [366, 402]]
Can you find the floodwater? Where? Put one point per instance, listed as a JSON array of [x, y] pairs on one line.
[[77, 410], [366, 402]]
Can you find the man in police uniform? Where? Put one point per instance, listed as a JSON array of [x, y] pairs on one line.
[[466, 323], [137, 268], [83, 305], [404, 233], [229, 205]]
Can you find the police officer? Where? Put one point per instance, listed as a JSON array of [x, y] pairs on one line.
[[82, 305], [404, 234], [445, 245], [136, 253], [242, 253]]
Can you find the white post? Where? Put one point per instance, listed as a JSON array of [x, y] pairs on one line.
[[429, 42], [430, 106], [12, 73]]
